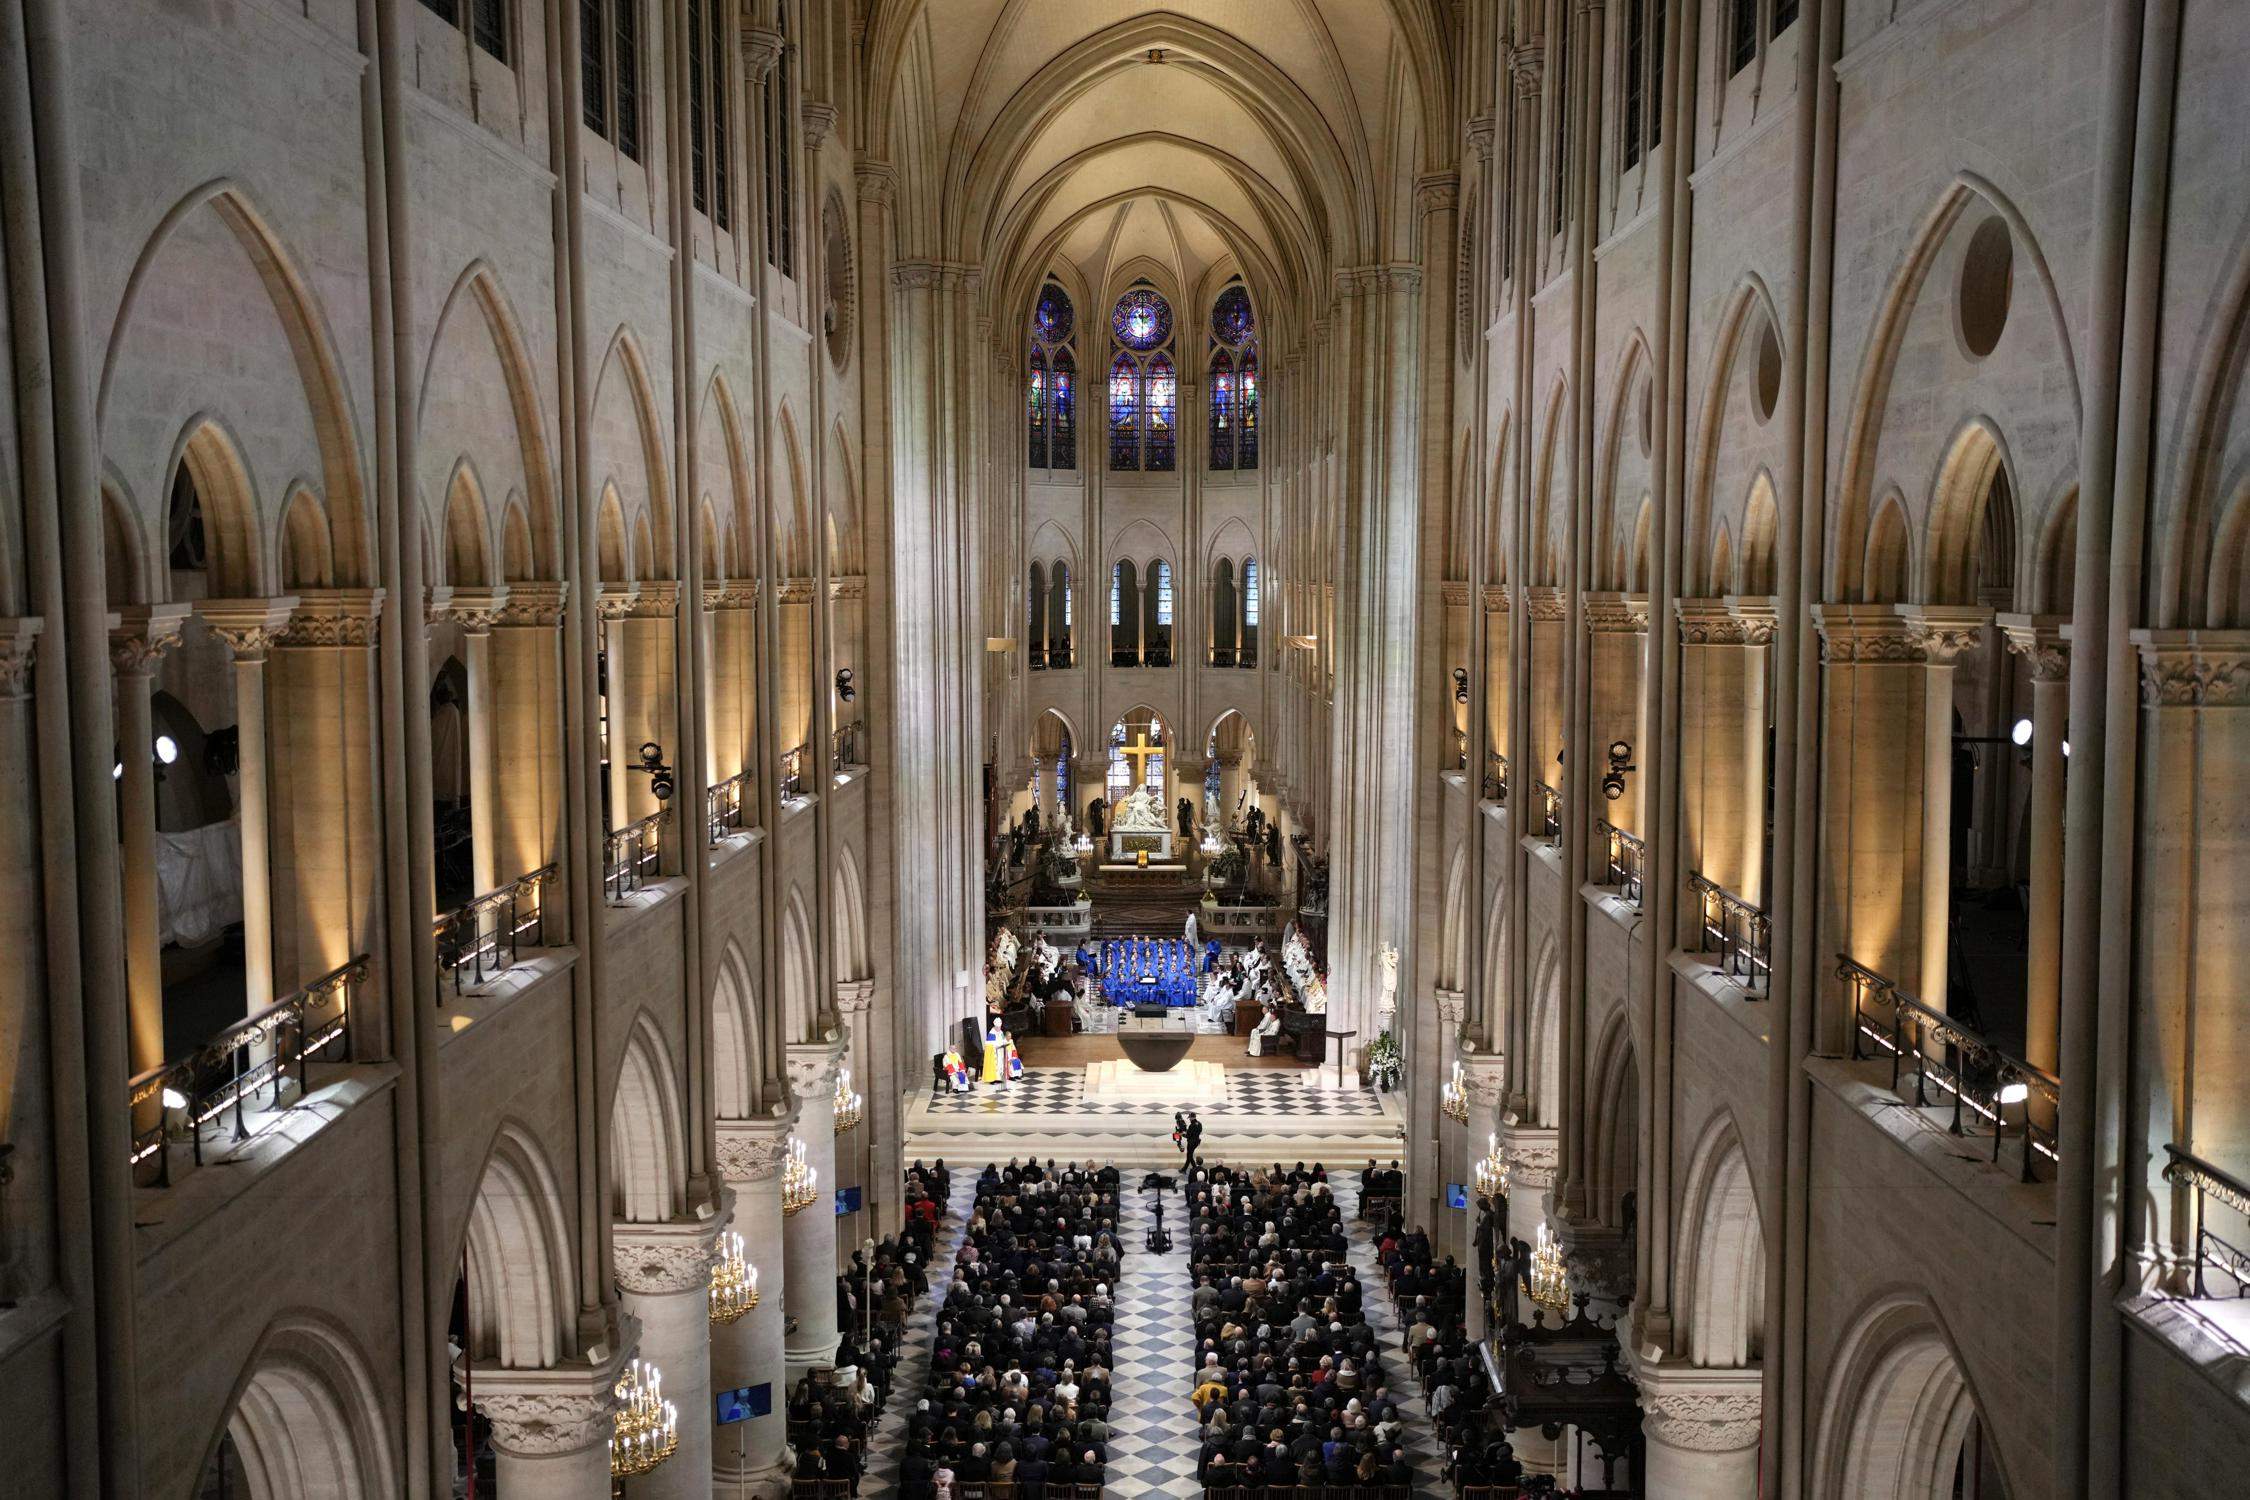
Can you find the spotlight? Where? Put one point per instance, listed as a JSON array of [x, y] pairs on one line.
[[2014, 1093], [844, 688], [117, 771], [2021, 734], [1620, 761], [2066, 749], [167, 749], [659, 774], [174, 1099], [1460, 684]]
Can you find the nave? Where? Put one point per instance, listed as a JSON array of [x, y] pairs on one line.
[[1151, 1441]]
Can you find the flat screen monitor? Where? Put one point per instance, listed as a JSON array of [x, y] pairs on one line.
[[1456, 1196]]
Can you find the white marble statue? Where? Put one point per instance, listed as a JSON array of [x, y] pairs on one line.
[[1141, 813], [1387, 1006]]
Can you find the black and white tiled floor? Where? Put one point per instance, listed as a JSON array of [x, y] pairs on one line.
[[1154, 1435], [1261, 1092]]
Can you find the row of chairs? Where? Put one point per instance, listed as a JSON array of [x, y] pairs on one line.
[[1316, 1492], [840, 1489]]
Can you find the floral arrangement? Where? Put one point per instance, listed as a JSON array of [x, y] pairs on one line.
[[1386, 1061]]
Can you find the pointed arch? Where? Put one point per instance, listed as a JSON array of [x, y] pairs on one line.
[[793, 533], [1748, 313], [479, 287], [850, 918], [1886, 574], [307, 1418], [522, 1288], [800, 972], [1754, 572], [228, 498], [1897, 1407], [736, 1037], [1616, 1148], [125, 559], [624, 376], [648, 1155], [1722, 1254], [467, 548], [1973, 490], [306, 562], [1453, 927], [1544, 1034]]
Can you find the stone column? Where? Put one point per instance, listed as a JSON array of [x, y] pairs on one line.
[[1484, 1074], [2040, 639], [664, 1276], [1497, 670], [1616, 664], [1701, 1428], [321, 740], [795, 705], [1886, 770], [139, 635], [855, 1000], [751, 1458], [1544, 607], [615, 603], [551, 1428], [809, 1236], [526, 701], [650, 693], [729, 665], [477, 610], [1534, 1153], [1724, 646], [248, 627]]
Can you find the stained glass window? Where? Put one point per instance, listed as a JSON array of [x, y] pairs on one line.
[[1234, 380], [1124, 412], [1116, 591], [1142, 319], [1249, 591], [1163, 593], [1049, 395], [1222, 411], [1163, 410]]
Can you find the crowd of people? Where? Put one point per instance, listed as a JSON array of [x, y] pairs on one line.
[[1288, 1382], [1019, 1381]]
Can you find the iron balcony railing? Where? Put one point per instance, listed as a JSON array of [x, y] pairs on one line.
[[1626, 859], [1738, 934], [846, 747], [1548, 802], [1495, 776], [1222, 656], [483, 938], [727, 805], [2185, 1169], [1984, 1082], [793, 773], [631, 855], [274, 1046]]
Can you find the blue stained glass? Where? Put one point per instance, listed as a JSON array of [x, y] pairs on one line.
[[1062, 425], [1124, 413], [1232, 322], [1246, 438], [1053, 318], [1163, 408], [1142, 319], [1222, 412]]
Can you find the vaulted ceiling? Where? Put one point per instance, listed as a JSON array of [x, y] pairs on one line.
[[1280, 138]]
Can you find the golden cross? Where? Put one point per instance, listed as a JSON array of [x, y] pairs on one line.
[[1140, 751]]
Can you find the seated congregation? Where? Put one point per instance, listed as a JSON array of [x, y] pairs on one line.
[[1288, 1382], [1018, 1392]]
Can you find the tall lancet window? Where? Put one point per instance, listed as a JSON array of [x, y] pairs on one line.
[[1144, 384], [1050, 392], [1234, 381]]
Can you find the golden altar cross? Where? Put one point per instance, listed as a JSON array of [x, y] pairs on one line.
[[1140, 751]]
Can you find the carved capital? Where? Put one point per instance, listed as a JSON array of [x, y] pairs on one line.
[[615, 601], [820, 122], [1479, 135], [935, 275], [476, 609], [247, 627], [1718, 622], [1390, 276], [1881, 633], [656, 600], [547, 1413], [334, 617], [2042, 640], [1437, 192], [2193, 668], [752, 1150], [793, 591], [877, 180], [1544, 602], [850, 586], [1697, 1410], [534, 604], [1533, 1154], [854, 997], [663, 1259], [1608, 613], [140, 634], [1947, 630], [1526, 63], [19, 650], [812, 1067], [761, 49], [1484, 1077], [1452, 1005], [1454, 593]]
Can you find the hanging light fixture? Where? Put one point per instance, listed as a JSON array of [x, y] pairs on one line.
[[1454, 1099], [847, 1102], [1492, 1171], [800, 1179], [1550, 1283], [734, 1281], [648, 1426]]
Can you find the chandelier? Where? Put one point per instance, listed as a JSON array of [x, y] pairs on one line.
[[800, 1179], [734, 1281], [648, 1426], [1550, 1283], [1492, 1171], [847, 1102], [1454, 1100]]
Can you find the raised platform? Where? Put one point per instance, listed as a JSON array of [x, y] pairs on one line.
[[1191, 1082], [1090, 1047], [1264, 1115], [1153, 867]]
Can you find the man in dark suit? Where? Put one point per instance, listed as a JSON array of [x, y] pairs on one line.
[[1194, 1140]]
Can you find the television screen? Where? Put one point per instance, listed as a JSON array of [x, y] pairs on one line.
[[1456, 1196], [847, 1200]]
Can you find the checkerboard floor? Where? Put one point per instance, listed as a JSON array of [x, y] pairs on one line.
[[1251, 1093], [1154, 1438]]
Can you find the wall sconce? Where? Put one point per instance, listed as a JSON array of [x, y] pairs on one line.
[[1620, 761], [658, 773]]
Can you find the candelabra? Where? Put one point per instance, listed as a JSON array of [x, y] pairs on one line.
[[734, 1281], [648, 1426], [800, 1179], [1550, 1283], [847, 1102], [1492, 1171], [1454, 1099]]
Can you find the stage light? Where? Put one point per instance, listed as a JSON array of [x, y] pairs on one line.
[[174, 1099], [2021, 734], [117, 771], [2014, 1093], [167, 749], [2066, 749]]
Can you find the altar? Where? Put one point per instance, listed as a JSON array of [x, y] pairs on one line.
[[1138, 827]]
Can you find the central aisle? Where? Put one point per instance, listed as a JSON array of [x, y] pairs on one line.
[[1153, 1444]]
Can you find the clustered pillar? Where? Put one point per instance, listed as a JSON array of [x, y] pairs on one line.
[[809, 1236]]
